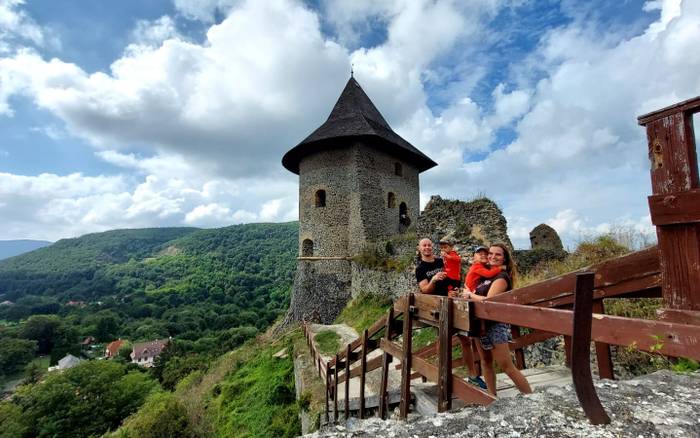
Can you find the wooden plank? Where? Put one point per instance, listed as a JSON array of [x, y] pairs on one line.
[[394, 349], [567, 351], [531, 338], [519, 354], [335, 391], [646, 286], [466, 392], [328, 389], [445, 357], [375, 328], [675, 208], [674, 169], [363, 373], [691, 317], [406, 358], [386, 360], [608, 273], [580, 351], [690, 105], [347, 384], [372, 365], [669, 339], [602, 350]]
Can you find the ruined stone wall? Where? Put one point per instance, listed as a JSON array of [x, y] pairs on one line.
[[471, 223]]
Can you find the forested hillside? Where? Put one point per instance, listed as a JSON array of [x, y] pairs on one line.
[[210, 290]]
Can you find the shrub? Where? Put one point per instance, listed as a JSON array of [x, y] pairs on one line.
[[162, 416]]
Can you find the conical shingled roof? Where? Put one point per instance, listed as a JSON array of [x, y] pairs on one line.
[[354, 115]]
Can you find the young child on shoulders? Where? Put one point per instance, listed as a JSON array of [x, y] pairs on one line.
[[453, 266], [479, 269]]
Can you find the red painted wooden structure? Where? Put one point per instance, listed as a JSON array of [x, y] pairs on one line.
[[569, 305]]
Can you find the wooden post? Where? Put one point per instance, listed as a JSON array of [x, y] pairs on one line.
[[580, 351], [386, 360], [674, 177], [567, 351], [363, 371], [602, 350], [445, 356], [519, 353], [335, 388], [328, 389], [348, 352], [406, 359]]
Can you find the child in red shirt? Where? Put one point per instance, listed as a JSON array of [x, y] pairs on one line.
[[479, 270], [452, 265]]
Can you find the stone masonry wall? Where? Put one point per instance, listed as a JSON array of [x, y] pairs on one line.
[[373, 179], [321, 290]]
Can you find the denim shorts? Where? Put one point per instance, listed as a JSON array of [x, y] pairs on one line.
[[498, 333]]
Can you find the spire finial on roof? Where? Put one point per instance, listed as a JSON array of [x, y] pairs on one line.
[[352, 70]]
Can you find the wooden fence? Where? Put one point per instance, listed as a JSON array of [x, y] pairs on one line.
[[569, 305]]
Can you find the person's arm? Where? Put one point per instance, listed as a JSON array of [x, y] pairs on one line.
[[428, 286], [497, 287], [483, 271]]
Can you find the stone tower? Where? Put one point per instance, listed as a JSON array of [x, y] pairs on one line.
[[358, 183]]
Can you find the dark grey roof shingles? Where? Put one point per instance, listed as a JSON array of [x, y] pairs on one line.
[[354, 115]]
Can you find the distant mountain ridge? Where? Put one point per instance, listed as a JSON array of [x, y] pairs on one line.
[[11, 248]]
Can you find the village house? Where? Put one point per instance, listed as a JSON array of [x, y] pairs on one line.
[[112, 348], [145, 353], [68, 361]]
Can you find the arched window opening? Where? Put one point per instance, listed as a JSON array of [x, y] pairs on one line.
[[398, 169], [307, 248], [320, 198], [391, 200], [404, 220]]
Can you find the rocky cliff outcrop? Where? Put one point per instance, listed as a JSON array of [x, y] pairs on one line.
[[477, 222], [663, 404]]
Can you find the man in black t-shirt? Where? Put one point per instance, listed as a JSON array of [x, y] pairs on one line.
[[430, 273]]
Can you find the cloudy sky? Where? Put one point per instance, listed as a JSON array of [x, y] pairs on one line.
[[177, 112]]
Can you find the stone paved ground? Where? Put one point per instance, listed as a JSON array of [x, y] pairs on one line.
[[663, 404]]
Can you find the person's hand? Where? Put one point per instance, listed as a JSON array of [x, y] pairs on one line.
[[443, 253], [441, 275]]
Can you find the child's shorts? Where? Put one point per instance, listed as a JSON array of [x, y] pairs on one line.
[[498, 333]]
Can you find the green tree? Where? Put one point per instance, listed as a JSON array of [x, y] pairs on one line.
[[107, 326], [125, 351], [13, 424], [33, 372], [48, 331], [162, 416], [15, 353], [86, 400]]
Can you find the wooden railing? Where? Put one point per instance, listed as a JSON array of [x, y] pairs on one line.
[[670, 271]]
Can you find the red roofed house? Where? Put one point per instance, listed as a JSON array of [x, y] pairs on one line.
[[144, 353], [113, 348]]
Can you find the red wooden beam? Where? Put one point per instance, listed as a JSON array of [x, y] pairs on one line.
[[669, 339], [675, 208], [580, 351], [610, 273]]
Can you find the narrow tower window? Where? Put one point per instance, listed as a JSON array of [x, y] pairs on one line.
[[403, 215], [307, 248], [391, 200], [398, 169], [320, 198]]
